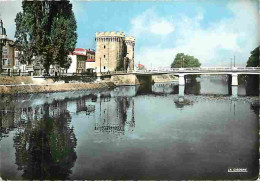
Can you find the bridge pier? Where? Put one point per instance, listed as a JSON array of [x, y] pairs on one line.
[[181, 79], [234, 79]]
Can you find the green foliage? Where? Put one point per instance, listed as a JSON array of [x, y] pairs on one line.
[[253, 60], [46, 29], [182, 60]]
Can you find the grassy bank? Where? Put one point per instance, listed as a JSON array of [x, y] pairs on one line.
[[18, 89]]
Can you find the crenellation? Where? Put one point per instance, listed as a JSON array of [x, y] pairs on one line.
[[110, 34], [130, 38]]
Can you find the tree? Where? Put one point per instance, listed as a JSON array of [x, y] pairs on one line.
[[253, 60], [46, 29], [252, 86], [182, 60]]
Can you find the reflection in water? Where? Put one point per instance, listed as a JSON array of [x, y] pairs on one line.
[[181, 90], [204, 85], [193, 85], [165, 88], [44, 142], [7, 116], [144, 89], [7, 122], [255, 107], [113, 117], [234, 91], [252, 85], [181, 102], [156, 134], [82, 107]]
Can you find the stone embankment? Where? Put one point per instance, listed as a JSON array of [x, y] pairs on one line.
[[125, 80], [164, 78], [17, 85], [132, 79]]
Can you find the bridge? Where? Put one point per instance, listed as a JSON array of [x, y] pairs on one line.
[[182, 72], [203, 70]]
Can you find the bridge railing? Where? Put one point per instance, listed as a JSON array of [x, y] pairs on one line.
[[117, 72], [197, 69]]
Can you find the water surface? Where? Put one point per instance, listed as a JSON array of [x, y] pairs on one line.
[[145, 132]]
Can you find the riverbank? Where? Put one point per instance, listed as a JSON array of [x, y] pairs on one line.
[[23, 80], [28, 84], [58, 87]]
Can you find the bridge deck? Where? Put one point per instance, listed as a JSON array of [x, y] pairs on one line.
[[187, 71]]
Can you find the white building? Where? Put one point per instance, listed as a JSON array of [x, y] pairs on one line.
[[83, 60]]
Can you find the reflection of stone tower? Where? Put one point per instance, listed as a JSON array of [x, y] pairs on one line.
[[115, 115], [110, 51], [130, 45]]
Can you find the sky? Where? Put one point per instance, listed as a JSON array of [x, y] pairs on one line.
[[214, 31]]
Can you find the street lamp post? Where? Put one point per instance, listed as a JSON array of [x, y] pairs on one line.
[[182, 61], [3, 38], [234, 61]]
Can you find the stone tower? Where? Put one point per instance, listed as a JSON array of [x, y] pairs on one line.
[[130, 46], [110, 51]]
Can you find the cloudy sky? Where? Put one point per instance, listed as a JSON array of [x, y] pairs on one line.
[[214, 31]]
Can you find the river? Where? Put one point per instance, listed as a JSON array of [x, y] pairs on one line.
[[132, 132]]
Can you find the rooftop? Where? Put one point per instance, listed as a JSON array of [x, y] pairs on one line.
[[90, 60], [81, 51]]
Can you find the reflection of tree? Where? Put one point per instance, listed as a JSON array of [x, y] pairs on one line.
[[144, 89], [192, 86], [45, 149], [252, 85], [255, 107]]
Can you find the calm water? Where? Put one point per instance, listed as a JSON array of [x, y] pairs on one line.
[[145, 132]]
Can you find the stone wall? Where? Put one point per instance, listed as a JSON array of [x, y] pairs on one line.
[[164, 78], [111, 50], [130, 44], [18, 89], [125, 79]]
